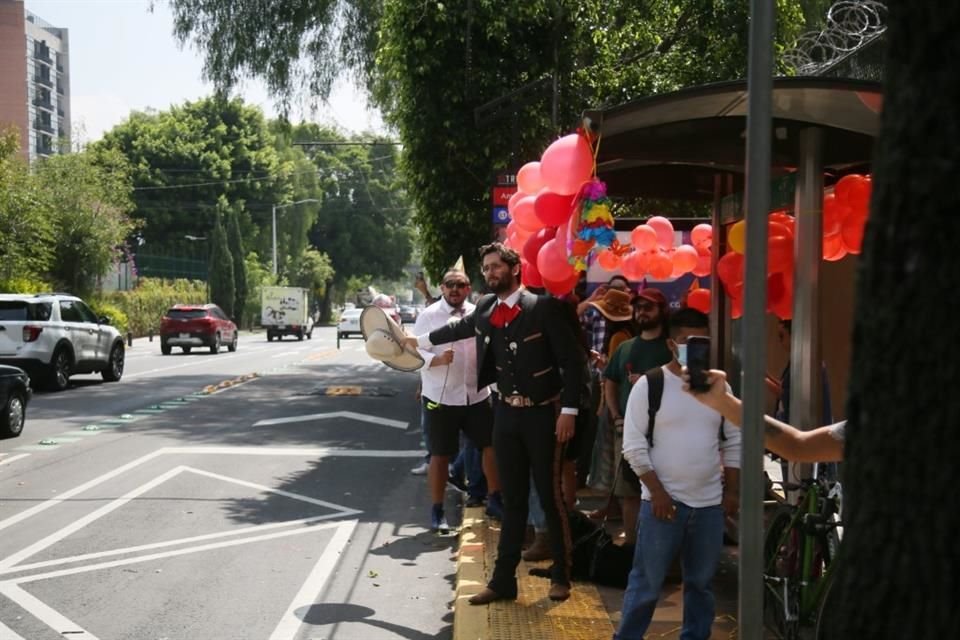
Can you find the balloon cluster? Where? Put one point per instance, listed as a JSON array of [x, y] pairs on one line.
[[844, 218], [655, 254], [546, 212]]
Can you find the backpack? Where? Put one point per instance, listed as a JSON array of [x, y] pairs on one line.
[[654, 396]]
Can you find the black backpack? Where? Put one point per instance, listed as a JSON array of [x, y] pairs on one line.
[[654, 396]]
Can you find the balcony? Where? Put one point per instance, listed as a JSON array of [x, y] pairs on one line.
[[43, 103], [60, 112], [59, 88], [44, 81], [44, 149], [40, 125], [42, 54]]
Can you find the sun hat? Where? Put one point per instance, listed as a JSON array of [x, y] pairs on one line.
[[383, 339], [614, 306]]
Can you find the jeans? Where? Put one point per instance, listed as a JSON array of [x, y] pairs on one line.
[[469, 464], [698, 535], [536, 516]]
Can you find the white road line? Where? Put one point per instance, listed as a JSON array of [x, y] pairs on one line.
[[53, 619], [361, 417], [284, 353], [297, 451], [168, 554], [76, 525], [280, 492], [12, 458], [310, 590], [7, 633], [66, 495]]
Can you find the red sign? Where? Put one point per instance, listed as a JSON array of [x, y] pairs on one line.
[[501, 195]]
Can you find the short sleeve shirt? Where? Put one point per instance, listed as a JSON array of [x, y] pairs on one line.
[[839, 431], [635, 355]]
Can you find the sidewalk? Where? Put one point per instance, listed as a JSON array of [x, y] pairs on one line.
[[592, 612]]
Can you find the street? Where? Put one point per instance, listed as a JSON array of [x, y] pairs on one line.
[[192, 500]]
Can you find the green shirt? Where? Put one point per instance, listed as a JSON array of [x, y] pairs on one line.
[[635, 355]]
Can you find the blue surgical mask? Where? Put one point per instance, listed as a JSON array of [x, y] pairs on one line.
[[682, 354]]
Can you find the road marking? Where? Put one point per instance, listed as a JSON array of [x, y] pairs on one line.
[[311, 588], [284, 353], [13, 458], [256, 450], [8, 634], [52, 618], [361, 417]]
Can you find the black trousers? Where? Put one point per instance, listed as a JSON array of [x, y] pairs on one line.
[[525, 443]]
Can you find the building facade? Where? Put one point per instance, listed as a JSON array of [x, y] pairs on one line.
[[34, 81]]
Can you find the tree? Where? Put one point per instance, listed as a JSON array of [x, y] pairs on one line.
[[89, 196], [314, 272], [901, 435], [26, 235], [235, 243], [222, 292]]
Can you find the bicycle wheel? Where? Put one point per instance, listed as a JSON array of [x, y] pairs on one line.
[[824, 610], [781, 577]]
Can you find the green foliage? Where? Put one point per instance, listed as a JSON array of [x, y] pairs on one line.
[[26, 235], [114, 314], [89, 194], [235, 242], [24, 285], [313, 272], [222, 291], [258, 276], [145, 305]]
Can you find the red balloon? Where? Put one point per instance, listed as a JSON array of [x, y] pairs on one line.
[[859, 197], [608, 260], [643, 237], [567, 164], [529, 275], [780, 253], [776, 289], [561, 287], [524, 216], [834, 214], [533, 244], [664, 230], [552, 262], [702, 234], [632, 266], [844, 185], [661, 266], [553, 209], [730, 268], [514, 199], [852, 234], [736, 307], [699, 299], [685, 259], [833, 248], [703, 266]]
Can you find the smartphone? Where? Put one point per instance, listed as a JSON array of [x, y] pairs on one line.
[[698, 362]]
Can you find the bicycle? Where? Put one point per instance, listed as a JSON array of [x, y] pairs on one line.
[[800, 547]]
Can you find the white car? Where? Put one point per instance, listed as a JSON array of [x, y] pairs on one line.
[[53, 336], [349, 323]]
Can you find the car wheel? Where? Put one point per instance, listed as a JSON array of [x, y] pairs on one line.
[[14, 414], [59, 377], [269, 337], [300, 336], [114, 369], [165, 348], [187, 350], [215, 346], [233, 344]]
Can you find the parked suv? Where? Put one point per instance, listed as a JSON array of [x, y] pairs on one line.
[[188, 326], [53, 336]]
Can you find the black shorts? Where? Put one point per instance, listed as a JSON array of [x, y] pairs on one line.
[[446, 421], [575, 444]]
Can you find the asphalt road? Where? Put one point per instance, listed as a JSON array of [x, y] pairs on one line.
[[191, 502]]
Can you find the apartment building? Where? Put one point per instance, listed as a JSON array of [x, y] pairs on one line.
[[34, 81]]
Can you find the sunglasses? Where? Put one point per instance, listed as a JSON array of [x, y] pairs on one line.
[[456, 285], [644, 306]]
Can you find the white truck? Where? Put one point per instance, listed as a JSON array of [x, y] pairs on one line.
[[285, 312]]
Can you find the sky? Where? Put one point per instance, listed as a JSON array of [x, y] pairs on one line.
[[124, 58]]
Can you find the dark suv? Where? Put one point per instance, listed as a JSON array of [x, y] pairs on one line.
[[188, 326]]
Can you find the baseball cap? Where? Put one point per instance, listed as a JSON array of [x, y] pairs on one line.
[[653, 295]]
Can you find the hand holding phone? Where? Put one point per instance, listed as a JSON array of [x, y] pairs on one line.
[[698, 362]]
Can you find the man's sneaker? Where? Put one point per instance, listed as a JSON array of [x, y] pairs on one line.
[[494, 506], [457, 483], [421, 470], [438, 522], [474, 501]]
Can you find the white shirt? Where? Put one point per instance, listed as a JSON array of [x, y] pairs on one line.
[[456, 383], [688, 454]]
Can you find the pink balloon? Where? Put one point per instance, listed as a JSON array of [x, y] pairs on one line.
[[512, 202], [567, 164], [664, 229], [524, 215], [661, 266], [561, 287], [553, 209], [631, 266], [685, 259], [552, 262], [513, 229], [703, 266], [531, 248], [529, 179], [643, 238], [702, 234]]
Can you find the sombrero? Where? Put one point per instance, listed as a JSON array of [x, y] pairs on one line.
[[614, 306], [383, 340]]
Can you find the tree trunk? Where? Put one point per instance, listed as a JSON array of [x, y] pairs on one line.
[[325, 311], [900, 557]]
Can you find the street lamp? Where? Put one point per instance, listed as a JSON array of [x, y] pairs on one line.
[[202, 239], [283, 206]]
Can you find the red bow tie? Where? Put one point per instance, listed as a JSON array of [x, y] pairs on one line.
[[503, 315]]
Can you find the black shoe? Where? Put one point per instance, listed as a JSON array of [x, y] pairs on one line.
[[474, 501], [457, 483], [438, 522], [494, 506]]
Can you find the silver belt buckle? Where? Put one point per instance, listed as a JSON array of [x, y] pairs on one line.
[[515, 401]]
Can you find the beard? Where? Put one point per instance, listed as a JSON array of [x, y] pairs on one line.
[[646, 324], [501, 285]]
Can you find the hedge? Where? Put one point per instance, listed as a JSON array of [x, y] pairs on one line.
[[145, 305]]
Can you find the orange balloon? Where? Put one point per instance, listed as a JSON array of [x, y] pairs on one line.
[[608, 260], [699, 299], [684, 259], [661, 266], [703, 266], [643, 238], [730, 268], [633, 267]]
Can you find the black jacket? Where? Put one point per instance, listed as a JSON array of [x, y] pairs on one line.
[[548, 359]]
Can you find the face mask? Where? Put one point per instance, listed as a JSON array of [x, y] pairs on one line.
[[682, 354]]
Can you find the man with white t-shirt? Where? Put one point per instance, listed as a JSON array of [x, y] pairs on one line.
[[690, 472]]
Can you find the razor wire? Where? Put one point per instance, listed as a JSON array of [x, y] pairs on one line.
[[851, 24]]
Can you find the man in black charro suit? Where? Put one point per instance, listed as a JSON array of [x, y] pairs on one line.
[[527, 347]]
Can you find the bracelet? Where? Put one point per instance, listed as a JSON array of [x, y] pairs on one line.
[[616, 420]]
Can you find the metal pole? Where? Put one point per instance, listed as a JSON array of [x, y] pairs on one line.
[[756, 206], [274, 208]]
